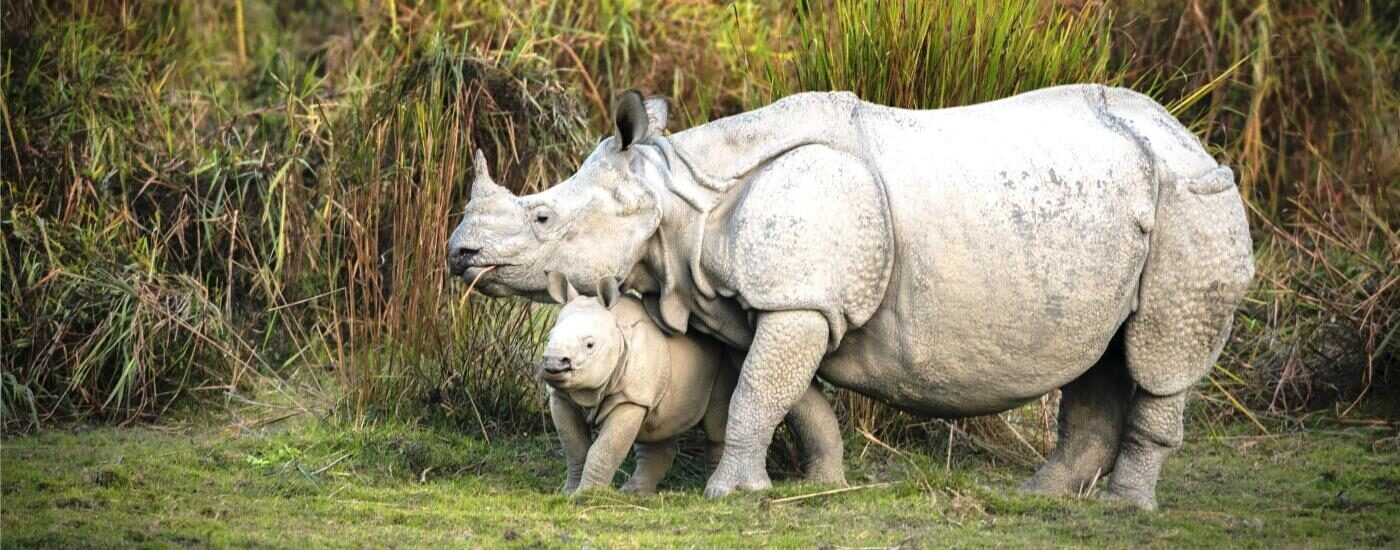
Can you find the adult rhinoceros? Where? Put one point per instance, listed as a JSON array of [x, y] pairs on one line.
[[949, 262]]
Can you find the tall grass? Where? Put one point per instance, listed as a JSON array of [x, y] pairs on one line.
[[180, 221], [411, 338], [927, 55], [210, 199]]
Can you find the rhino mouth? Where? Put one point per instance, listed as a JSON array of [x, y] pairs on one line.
[[481, 270], [556, 378]]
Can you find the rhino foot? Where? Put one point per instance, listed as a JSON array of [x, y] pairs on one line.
[[638, 489], [1038, 486], [826, 473], [750, 479], [1146, 502]]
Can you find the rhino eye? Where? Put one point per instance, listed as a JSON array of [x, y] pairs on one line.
[[543, 214]]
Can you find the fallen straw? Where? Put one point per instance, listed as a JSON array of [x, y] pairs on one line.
[[786, 500], [472, 286]]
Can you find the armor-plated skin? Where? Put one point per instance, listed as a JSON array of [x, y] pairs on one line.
[[518, 238], [609, 367], [950, 262]]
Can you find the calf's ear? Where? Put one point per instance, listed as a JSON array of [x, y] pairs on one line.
[[609, 291], [559, 287]]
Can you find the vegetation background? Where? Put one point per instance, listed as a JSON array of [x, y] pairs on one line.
[[212, 204], [207, 200]]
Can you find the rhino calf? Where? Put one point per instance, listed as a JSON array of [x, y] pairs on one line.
[[609, 367]]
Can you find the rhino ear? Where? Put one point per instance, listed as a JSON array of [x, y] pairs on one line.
[[559, 287], [609, 291], [482, 184], [658, 114], [630, 119]]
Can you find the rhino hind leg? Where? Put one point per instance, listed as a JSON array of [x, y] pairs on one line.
[[1153, 432], [653, 460], [1154, 424], [1093, 409], [818, 433], [1198, 268]]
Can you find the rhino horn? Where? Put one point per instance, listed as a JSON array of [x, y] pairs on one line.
[[482, 184]]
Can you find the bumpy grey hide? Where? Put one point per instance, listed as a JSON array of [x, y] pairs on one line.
[[950, 262], [518, 238], [609, 367]]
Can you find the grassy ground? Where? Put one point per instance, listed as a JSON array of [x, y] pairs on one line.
[[1319, 486]]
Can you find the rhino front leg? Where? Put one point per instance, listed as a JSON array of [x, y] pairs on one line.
[[653, 460], [813, 422], [783, 359], [573, 435], [615, 437]]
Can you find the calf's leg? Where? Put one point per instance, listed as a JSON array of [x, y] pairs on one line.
[[573, 435], [653, 460]]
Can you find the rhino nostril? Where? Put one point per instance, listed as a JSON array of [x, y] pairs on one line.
[[464, 253]]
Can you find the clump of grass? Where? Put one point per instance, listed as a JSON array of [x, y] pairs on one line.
[[409, 176], [179, 217], [124, 215], [921, 55]]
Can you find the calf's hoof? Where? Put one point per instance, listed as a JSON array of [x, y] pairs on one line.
[[638, 490]]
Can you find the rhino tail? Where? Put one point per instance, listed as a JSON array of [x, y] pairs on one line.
[[1215, 181]]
